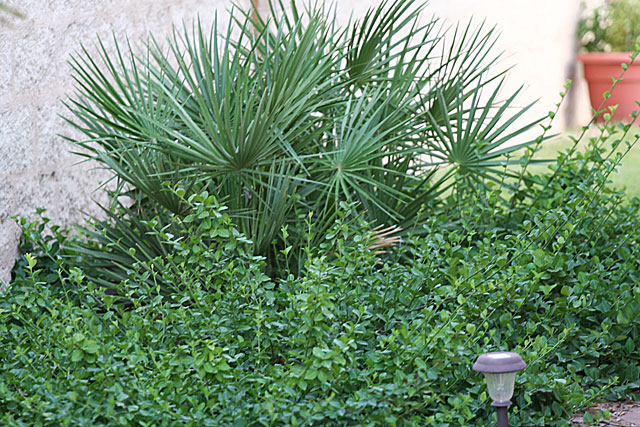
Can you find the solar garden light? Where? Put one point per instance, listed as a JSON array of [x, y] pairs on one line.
[[500, 370]]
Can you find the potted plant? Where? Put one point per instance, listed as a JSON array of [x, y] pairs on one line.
[[608, 35]]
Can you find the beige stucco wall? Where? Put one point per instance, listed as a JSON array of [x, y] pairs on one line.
[[36, 169], [539, 41], [537, 38]]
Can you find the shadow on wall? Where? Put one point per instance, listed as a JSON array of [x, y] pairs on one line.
[[6, 10]]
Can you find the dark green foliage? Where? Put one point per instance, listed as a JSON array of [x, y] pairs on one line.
[[44, 243], [290, 117], [357, 338], [240, 283]]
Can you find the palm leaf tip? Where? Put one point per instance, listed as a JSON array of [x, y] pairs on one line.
[[384, 238]]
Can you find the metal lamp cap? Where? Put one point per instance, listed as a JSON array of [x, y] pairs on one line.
[[499, 362]]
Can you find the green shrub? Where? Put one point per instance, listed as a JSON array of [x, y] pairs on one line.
[[291, 118], [612, 27], [168, 312], [358, 337]]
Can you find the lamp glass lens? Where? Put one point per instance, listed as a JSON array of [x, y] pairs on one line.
[[500, 386]]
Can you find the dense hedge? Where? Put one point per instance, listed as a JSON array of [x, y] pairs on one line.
[[359, 338], [237, 277]]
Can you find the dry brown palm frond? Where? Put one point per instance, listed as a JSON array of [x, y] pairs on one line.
[[384, 237]]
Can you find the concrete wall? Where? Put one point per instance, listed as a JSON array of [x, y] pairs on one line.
[[538, 39], [36, 169]]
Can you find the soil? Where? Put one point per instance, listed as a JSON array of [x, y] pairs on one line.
[[623, 414]]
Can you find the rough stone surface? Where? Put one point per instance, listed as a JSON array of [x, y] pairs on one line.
[[6, 57], [17, 151], [632, 416], [36, 169]]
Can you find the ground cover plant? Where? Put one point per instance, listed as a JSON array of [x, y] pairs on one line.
[[240, 277], [626, 176]]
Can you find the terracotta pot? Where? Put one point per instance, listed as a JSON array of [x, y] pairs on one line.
[[599, 69]]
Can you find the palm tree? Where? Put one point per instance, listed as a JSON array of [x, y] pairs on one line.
[[292, 118]]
